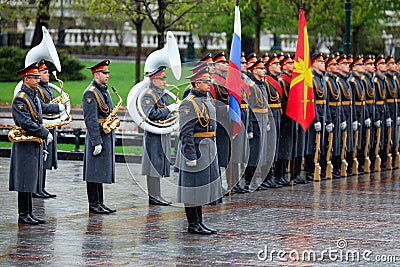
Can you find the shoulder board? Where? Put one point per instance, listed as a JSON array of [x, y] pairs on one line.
[[189, 98], [337, 79], [376, 79], [326, 78], [22, 95], [353, 79], [363, 77], [394, 77]]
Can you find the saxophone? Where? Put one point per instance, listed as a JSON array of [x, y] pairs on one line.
[[112, 122], [17, 134]]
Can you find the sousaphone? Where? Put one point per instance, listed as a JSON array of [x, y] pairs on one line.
[[46, 50], [169, 57]]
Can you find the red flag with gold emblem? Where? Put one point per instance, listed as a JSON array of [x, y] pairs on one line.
[[300, 106]]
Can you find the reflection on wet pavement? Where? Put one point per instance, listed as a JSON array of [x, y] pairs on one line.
[[336, 220]]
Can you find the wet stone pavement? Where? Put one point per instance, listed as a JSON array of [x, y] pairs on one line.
[[352, 221]]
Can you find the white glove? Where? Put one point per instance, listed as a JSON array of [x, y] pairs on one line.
[[173, 107], [398, 120], [97, 150], [61, 107], [329, 127], [250, 135], [49, 138], [377, 123], [388, 122], [268, 127], [45, 153], [317, 126], [355, 125], [343, 125], [191, 163], [368, 123]]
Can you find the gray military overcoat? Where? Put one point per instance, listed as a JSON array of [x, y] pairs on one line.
[[99, 168], [156, 153], [26, 165], [200, 184]]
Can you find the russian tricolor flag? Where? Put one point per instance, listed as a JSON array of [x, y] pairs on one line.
[[233, 80]]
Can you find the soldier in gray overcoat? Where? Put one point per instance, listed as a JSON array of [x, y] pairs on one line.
[[156, 155], [199, 180], [99, 155], [27, 157], [50, 160]]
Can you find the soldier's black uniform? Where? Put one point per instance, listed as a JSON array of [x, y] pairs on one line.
[[349, 113], [381, 113], [337, 116], [322, 116]]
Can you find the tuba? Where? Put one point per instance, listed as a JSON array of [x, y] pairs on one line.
[[167, 56], [44, 50]]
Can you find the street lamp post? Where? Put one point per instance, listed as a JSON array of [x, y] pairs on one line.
[[347, 40]]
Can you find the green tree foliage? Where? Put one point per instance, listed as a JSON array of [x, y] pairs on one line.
[[12, 59]]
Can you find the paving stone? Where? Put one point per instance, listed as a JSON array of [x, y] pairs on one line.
[[354, 214]]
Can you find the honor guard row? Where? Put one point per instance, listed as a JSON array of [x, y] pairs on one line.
[[355, 129]]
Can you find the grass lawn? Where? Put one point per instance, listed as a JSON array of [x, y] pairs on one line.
[[122, 77], [136, 150]]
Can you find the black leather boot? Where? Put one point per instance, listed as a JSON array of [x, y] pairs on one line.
[[271, 179], [44, 185], [40, 195], [101, 198], [248, 175], [158, 200], [309, 167], [282, 179], [194, 226], [93, 197], [200, 219], [23, 209], [154, 190], [336, 167], [25, 218], [41, 221]]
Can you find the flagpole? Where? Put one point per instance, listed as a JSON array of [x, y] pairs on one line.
[[295, 132]]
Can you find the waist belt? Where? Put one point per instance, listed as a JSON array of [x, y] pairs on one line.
[[371, 101], [101, 120], [360, 103], [381, 102], [260, 110], [334, 104], [392, 100], [204, 134], [275, 105], [320, 102], [244, 105], [346, 103]]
